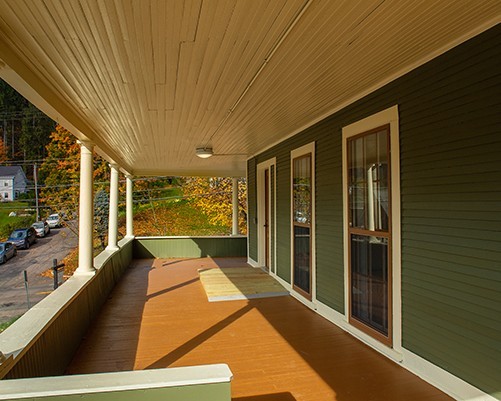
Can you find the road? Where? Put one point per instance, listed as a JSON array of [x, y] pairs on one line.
[[35, 260]]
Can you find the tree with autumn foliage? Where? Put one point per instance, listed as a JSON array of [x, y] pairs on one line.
[[3, 152], [213, 196], [24, 128], [60, 172]]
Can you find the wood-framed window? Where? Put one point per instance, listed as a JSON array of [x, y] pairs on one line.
[[369, 232], [302, 209]]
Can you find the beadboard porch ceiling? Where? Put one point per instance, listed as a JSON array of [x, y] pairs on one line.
[[148, 81]]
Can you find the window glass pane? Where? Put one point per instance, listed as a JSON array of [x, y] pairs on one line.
[[368, 181], [369, 281], [302, 190], [302, 258]]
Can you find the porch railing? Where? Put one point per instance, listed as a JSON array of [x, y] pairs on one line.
[[190, 247], [43, 341], [208, 383]]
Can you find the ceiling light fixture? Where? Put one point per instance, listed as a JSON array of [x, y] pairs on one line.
[[204, 153]]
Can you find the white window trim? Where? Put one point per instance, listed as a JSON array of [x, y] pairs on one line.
[[308, 148], [261, 210], [387, 116]]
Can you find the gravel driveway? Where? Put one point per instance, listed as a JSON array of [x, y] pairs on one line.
[[35, 260]]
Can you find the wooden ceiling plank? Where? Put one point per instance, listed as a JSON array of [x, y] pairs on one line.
[[121, 42], [46, 63], [259, 49], [114, 71], [136, 90], [190, 20], [154, 79], [159, 20], [111, 80]]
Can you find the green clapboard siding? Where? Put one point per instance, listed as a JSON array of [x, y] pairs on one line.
[[190, 247], [450, 149], [451, 212]]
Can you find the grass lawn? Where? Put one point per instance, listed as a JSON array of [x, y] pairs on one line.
[[23, 219], [7, 207], [3, 326], [175, 218]]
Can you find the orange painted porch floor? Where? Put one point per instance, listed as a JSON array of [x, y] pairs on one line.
[[158, 316]]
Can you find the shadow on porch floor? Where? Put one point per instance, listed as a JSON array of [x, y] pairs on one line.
[[158, 316]]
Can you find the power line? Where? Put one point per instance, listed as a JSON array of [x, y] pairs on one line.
[[98, 183], [181, 197], [25, 112]]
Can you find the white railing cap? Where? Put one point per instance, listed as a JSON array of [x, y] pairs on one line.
[[115, 381]]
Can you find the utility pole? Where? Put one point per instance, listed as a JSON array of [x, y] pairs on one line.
[[36, 189], [12, 122]]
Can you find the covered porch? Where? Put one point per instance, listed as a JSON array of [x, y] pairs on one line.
[[158, 316], [157, 87]]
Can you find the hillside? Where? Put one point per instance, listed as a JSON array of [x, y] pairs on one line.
[[174, 218]]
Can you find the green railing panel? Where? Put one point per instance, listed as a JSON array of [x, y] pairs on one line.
[[44, 340], [190, 247], [194, 383]]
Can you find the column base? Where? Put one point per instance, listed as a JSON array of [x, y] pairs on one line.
[[112, 248], [86, 272]]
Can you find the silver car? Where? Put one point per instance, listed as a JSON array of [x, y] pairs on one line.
[[7, 250], [54, 220], [41, 227]]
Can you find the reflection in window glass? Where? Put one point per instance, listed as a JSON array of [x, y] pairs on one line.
[[369, 230], [301, 187], [302, 242], [302, 198], [368, 181], [369, 281]]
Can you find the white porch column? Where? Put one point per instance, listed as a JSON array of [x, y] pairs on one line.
[[113, 218], [128, 205], [86, 217], [234, 230]]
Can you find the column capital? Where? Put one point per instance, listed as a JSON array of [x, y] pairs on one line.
[[86, 144]]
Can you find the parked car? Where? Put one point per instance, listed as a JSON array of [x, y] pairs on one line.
[[41, 227], [7, 250], [23, 237], [54, 220]]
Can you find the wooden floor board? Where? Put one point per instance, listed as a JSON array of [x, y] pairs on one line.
[[158, 316]]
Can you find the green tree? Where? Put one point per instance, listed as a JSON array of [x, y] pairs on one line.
[[213, 196], [3, 152], [11, 106], [35, 134], [24, 129], [60, 173], [101, 215]]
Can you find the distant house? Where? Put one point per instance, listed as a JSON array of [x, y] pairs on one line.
[[13, 182]]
